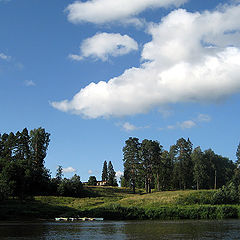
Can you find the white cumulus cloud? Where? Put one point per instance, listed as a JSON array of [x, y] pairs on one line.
[[103, 45], [104, 11], [69, 170], [192, 57]]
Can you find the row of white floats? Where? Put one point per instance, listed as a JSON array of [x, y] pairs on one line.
[[62, 219]]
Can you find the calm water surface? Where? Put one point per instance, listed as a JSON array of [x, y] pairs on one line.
[[147, 230]]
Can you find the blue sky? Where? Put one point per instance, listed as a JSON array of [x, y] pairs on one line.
[[94, 73]]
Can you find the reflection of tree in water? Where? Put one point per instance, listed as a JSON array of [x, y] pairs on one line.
[[202, 229], [24, 230], [113, 230]]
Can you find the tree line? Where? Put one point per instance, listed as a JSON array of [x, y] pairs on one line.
[[22, 170], [147, 165]]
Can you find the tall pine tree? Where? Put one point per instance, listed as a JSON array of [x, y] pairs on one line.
[[131, 162], [200, 175], [238, 154], [111, 175], [105, 172]]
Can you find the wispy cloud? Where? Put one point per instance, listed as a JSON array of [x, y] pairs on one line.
[[5, 1], [69, 170], [90, 171], [170, 127], [129, 127], [165, 112], [29, 83], [188, 124], [203, 118], [5, 57], [181, 125], [126, 126]]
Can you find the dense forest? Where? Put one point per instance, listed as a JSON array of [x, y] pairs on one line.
[[146, 165]]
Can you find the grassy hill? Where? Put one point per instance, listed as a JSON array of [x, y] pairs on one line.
[[120, 203]]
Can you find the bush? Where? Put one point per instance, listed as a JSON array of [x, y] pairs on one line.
[[198, 197], [226, 195], [92, 181], [71, 187]]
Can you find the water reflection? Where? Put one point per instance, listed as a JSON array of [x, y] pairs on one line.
[[226, 229], [124, 230]]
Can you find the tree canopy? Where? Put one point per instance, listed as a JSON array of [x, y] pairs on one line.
[[147, 164]]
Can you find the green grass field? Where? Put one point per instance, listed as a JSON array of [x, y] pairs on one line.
[[120, 203]]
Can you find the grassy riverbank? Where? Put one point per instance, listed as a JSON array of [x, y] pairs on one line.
[[120, 203]]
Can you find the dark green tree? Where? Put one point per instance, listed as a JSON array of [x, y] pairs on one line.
[[71, 187], [238, 154], [105, 172], [59, 174], [220, 169], [9, 146], [123, 182], [165, 171], [111, 175], [39, 141], [22, 164], [92, 181], [5, 188], [131, 162], [22, 146], [183, 166], [76, 186], [150, 161], [200, 175]]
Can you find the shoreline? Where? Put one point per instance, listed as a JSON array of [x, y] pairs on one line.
[[29, 211], [120, 204]]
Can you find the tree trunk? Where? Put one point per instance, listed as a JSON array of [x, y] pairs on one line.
[[149, 186], [134, 191], [146, 185], [215, 180], [158, 183]]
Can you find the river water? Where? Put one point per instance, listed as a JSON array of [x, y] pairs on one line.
[[124, 230]]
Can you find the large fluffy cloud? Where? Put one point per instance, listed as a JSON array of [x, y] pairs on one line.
[[103, 45], [103, 11], [192, 57]]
